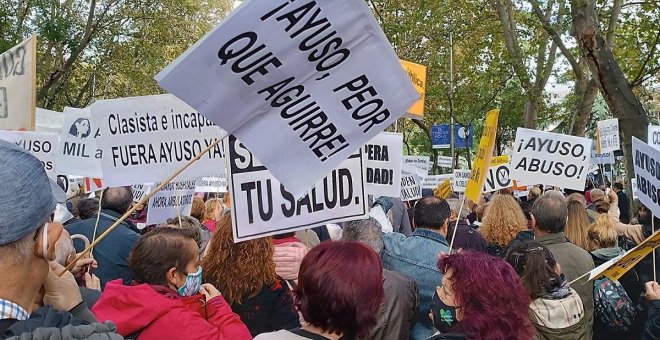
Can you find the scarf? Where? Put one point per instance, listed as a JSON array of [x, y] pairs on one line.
[[558, 290]]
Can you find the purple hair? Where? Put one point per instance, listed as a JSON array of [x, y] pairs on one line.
[[493, 300]]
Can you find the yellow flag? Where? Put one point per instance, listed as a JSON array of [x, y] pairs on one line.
[[484, 155], [443, 190], [417, 74]]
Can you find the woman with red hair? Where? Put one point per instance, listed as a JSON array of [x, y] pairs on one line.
[[340, 288], [480, 297]]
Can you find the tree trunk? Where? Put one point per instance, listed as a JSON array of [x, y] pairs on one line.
[[531, 112], [615, 88], [584, 108]]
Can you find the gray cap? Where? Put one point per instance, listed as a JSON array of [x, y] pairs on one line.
[[27, 195]]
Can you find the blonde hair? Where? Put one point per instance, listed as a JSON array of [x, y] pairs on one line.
[[601, 233], [210, 206], [578, 225], [503, 220]]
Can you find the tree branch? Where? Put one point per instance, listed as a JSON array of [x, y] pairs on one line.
[[614, 18], [640, 74]]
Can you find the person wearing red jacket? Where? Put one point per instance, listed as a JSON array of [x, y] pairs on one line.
[[167, 299]]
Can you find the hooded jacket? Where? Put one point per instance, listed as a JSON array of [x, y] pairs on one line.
[[156, 312], [560, 319]]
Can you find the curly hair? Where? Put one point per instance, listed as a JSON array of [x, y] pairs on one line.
[[490, 294], [238, 270], [502, 221]]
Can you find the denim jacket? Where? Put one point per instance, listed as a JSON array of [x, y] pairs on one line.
[[417, 257]]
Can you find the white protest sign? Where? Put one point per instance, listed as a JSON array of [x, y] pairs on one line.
[[41, 145], [48, 121], [432, 181], [602, 158], [608, 135], [550, 158], [319, 76], [633, 184], [411, 187], [212, 184], [18, 88], [173, 200], [445, 162], [460, 180], [419, 162], [409, 169], [146, 139], [654, 136], [139, 191], [646, 161], [498, 177], [78, 153], [383, 164], [261, 206]]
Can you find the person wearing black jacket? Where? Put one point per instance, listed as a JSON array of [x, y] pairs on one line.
[[652, 326]]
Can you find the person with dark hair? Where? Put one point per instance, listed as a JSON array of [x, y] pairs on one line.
[[550, 214], [28, 240], [556, 309], [88, 208], [335, 302], [624, 208], [167, 300], [112, 253], [652, 326], [467, 237], [396, 314], [480, 297], [415, 256], [245, 274]]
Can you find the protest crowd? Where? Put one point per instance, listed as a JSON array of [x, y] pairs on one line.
[[512, 274], [268, 195]]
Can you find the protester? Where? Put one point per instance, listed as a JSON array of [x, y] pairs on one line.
[[503, 220], [27, 244], [550, 214], [244, 273], [65, 253], [632, 232], [596, 196], [400, 218], [578, 197], [198, 209], [556, 309], [337, 303], [167, 299], [622, 202], [111, 254], [214, 211], [652, 326], [288, 253], [88, 208], [602, 238], [467, 237], [201, 235], [416, 256], [577, 225], [397, 312], [533, 194], [480, 297]]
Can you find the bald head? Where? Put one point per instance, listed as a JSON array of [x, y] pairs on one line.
[[550, 212], [117, 199]]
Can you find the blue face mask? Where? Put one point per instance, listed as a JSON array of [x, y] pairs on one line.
[[192, 285]]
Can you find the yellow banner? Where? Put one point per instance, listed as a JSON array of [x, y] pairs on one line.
[[621, 266], [499, 160], [443, 190], [484, 155], [417, 74]]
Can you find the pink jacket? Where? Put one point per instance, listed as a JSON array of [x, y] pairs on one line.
[[288, 254]]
